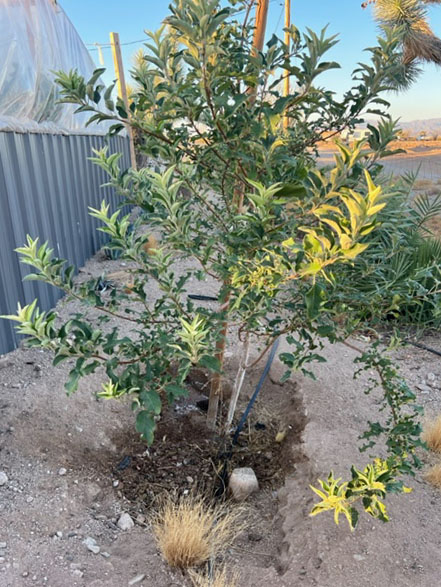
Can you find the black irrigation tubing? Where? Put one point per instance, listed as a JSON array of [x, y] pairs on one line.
[[423, 347], [202, 298], [226, 456], [265, 372]]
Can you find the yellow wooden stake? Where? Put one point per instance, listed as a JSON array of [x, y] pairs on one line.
[[122, 88], [286, 89]]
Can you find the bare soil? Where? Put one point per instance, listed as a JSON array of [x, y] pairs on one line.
[[74, 465]]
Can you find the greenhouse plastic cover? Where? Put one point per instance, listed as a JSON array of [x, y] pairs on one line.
[[36, 39]]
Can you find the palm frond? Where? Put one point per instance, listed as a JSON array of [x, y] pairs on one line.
[[419, 41], [426, 207]]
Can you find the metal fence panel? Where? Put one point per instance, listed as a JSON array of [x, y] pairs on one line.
[[46, 186]]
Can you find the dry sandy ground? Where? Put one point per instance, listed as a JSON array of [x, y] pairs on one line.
[[57, 454], [423, 158]]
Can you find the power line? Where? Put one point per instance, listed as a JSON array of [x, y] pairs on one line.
[[98, 46]]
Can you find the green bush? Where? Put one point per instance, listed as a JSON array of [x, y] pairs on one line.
[[243, 203]]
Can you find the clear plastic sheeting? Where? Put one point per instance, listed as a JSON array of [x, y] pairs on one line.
[[36, 39]]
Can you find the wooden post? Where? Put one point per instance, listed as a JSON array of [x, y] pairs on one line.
[[216, 382], [286, 89], [259, 31], [122, 88]]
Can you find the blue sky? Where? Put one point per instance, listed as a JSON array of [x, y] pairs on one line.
[[95, 19]]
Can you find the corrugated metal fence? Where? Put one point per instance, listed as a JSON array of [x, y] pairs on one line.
[[46, 185]]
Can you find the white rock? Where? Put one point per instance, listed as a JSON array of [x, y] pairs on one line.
[[62, 471], [359, 557], [3, 478], [125, 522], [91, 545], [243, 482], [136, 579], [431, 377], [3, 545]]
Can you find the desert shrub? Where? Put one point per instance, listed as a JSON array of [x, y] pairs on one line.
[[190, 531], [240, 197], [398, 278]]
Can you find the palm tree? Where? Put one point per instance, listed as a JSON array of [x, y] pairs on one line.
[[420, 44]]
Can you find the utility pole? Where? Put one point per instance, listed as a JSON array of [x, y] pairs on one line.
[[286, 89], [122, 89], [259, 31]]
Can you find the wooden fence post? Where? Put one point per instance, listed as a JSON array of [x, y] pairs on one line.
[[122, 88]]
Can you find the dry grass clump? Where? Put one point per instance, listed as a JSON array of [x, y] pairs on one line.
[[423, 184], [433, 475], [189, 530], [432, 434], [220, 577]]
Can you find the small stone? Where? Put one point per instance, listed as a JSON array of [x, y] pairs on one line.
[[62, 471], [423, 388], [29, 499], [78, 573], [136, 579], [91, 545], [3, 545], [140, 519], [25, 574], [3, 478], [431, 377], [359, 557], [5, 363], [105, 554], [125, 522], [2, 559], [115, 483], [243, 482], [60, 534], [190, 479], [254, 537]]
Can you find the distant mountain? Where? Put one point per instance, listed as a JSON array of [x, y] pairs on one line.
[[430, 126]]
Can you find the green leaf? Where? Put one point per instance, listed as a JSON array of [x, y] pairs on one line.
[[291, 190], [151, 401], [314, 298], [72, 383], [211, 363], [59, 358], [174, 391], [146, 425]]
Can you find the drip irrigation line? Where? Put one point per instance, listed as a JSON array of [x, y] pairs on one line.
[[423, 347], [226, 455], [202, 298], [265, 372]]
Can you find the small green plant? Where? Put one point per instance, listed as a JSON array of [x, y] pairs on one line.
[[243, 200]]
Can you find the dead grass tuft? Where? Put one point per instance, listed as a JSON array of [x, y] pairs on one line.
[[189, 530], [423, 184], [433, 475], [432, 434], [219, 578]]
